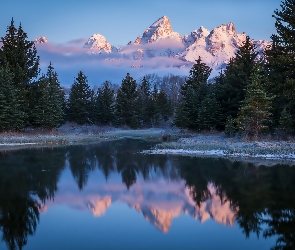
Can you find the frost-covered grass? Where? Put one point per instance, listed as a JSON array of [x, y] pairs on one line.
[[219, 145], [188, 143], [69, 135]]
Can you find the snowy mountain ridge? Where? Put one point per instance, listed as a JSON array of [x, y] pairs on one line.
[[160, 46]]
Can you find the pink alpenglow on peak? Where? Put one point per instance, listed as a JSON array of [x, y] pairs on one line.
[[40, 40], [159, 48], [98, 44], [159, 30]]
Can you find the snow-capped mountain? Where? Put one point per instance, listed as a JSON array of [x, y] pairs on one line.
[[218, 46], [161, 47], [159, 30], [98, 44], [41, 39]]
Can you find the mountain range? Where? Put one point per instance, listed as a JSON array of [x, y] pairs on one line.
[[160, 46]]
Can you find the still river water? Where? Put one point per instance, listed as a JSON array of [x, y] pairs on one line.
[[108, 196]]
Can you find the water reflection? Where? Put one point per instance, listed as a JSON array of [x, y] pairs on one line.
[[161, 188], [27, 180]]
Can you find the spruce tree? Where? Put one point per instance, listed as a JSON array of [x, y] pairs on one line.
[[11, 115], [155, 113], [57, 101], [280, 61], [254, 114], [164, 106], [230, 128], [209, 113], [286, 121], [126, 102], [237, 77], [20, 56], [79, 102], [199, 74], [190, 109], [144, 107], [105, 105], [193, 92], [48, 109]]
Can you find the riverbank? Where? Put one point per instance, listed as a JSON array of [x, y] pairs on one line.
[[75, 135], [180, 142], [218, 145]]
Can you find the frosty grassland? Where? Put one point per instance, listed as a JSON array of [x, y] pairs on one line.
[[180, 142]]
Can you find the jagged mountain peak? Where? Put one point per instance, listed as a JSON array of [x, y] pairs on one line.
[[162, 21], [228, 28], [159, 41], [98, 44], [137, 41], [40, 40], [158, 30], [195, 36]]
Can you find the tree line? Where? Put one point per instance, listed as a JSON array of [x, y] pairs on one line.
[[251, 95]]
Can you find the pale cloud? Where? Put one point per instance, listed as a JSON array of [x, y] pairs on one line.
[[77, 41], [68, 59]]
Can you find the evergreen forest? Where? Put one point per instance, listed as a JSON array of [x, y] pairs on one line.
[[252, 96]]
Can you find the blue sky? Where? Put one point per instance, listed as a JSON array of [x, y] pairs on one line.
[[123, 20]]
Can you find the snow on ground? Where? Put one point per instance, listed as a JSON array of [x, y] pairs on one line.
[[70, 134], [182, 142], [221, 146]]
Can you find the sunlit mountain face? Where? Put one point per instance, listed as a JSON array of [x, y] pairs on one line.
[[110, 195]]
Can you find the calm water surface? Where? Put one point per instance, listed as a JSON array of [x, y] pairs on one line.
[[108, 196]]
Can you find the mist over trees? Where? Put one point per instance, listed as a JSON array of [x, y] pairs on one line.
[[251, 95]]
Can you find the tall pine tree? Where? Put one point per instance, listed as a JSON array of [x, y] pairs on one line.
[[11, 114], [193, 92], [20, 56], [48, 108], [79, 103], [126, 110], [237, 77], [105, 105], [280, 62], [254, 115]]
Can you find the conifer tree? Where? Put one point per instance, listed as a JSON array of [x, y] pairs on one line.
[[193, 92], [144, 107], [280, 61], [57, 101], [180, 117], [230, 128], [237, 77], [105, 104], [20, 56], [155, 114], [79, 102], [126, 102], [254, 115], [199, 74], [190, 109], [286, 121], [164, 105], [209, 113], [11, 115], [48, 109]]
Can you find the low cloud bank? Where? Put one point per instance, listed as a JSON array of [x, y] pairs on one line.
[[68, 59]]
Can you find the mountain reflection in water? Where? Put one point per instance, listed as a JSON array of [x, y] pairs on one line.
[[33, 181]]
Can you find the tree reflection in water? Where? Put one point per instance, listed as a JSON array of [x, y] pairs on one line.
[[28, 178], [261, 198]]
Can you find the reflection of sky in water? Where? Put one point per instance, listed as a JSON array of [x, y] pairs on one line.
[[154, 214], [104, 196]]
